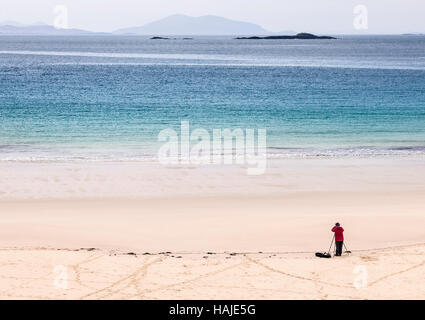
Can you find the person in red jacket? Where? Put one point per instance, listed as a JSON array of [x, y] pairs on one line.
[[339, 238]]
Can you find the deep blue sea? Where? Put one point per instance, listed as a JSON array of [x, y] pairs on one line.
[[107, 97]]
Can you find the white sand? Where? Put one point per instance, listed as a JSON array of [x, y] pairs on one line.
[[392, 273], [23, 181], [286, 214]]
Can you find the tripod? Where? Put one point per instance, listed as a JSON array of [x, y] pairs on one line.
[[346, 250], [333, 239], [329, 251]]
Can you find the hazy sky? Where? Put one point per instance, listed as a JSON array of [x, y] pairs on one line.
[[321, 16]]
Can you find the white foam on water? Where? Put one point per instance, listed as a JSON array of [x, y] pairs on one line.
[[180, 56], [224, 60]]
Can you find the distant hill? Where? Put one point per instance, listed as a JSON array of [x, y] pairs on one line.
[[186, 25], [40, 29], [172, 25], [299, 36]]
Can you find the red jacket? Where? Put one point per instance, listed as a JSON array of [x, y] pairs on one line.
[[339, 233]]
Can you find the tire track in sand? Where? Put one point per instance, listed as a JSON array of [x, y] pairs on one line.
[[114, 287], [200, 277], [397, 273], [316, 282], [76, 269]]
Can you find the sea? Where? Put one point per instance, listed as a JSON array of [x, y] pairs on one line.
[[106, 98]]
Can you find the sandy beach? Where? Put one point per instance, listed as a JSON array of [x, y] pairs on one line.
[[391, 273], [212, 232]]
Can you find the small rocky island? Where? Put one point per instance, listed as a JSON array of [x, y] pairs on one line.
[[301, 36], [163, 38]]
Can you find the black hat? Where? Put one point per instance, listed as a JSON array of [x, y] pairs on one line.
[[337, 224]]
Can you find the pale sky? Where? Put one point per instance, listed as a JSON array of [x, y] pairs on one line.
[[319, 16]]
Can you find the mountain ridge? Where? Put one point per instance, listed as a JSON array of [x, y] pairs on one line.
[[177, 24], [180, 24]]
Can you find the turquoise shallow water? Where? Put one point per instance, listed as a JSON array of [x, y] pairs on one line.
[[108, 97]]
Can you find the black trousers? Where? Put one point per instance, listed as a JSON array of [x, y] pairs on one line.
[[338, 245]]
